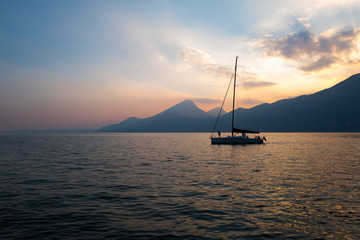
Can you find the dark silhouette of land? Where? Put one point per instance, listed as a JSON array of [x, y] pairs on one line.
[[336, 109]]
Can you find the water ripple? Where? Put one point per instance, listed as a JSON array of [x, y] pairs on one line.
[[178, 186]]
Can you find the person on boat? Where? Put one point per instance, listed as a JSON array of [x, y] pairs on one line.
[[219, 133]]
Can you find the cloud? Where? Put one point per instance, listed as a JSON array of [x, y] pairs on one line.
[[252, 80], [199, 60], [323, 62], [292, 45], [314, 53], [257, 84]]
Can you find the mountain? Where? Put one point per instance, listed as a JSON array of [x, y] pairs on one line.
[[334, 109], [215, 112], [331, 110], [185, 109], [183, 117]]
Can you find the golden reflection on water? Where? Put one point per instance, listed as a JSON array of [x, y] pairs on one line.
[[302, 182]]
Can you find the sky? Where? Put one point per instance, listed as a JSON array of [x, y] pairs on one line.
[[83, 64]]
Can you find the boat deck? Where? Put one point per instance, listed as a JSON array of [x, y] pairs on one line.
[[236, 140]]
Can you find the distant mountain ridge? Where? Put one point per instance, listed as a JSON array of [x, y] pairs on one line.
[[182, 117], [215, 112], [334, 109]]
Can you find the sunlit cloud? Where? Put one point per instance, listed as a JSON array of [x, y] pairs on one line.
[[200, 60], [314, 53], [257, 84]]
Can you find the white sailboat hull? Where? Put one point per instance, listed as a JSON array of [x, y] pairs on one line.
[[236, 140]]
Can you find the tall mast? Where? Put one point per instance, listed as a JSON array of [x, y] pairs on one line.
[[232, 122]]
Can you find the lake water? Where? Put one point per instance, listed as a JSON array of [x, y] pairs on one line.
[[178, 186]]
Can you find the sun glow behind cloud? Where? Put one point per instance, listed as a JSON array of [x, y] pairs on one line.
[[87, 64]]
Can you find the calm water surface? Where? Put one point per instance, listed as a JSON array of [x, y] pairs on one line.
[[178, 186]]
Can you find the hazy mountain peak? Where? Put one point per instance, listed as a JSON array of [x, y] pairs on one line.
[[186, 108], [189, 103]]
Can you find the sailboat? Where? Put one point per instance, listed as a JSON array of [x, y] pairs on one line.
[[236, 139]]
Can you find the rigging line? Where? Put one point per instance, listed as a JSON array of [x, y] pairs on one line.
[[249, 101], [222, 105]]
